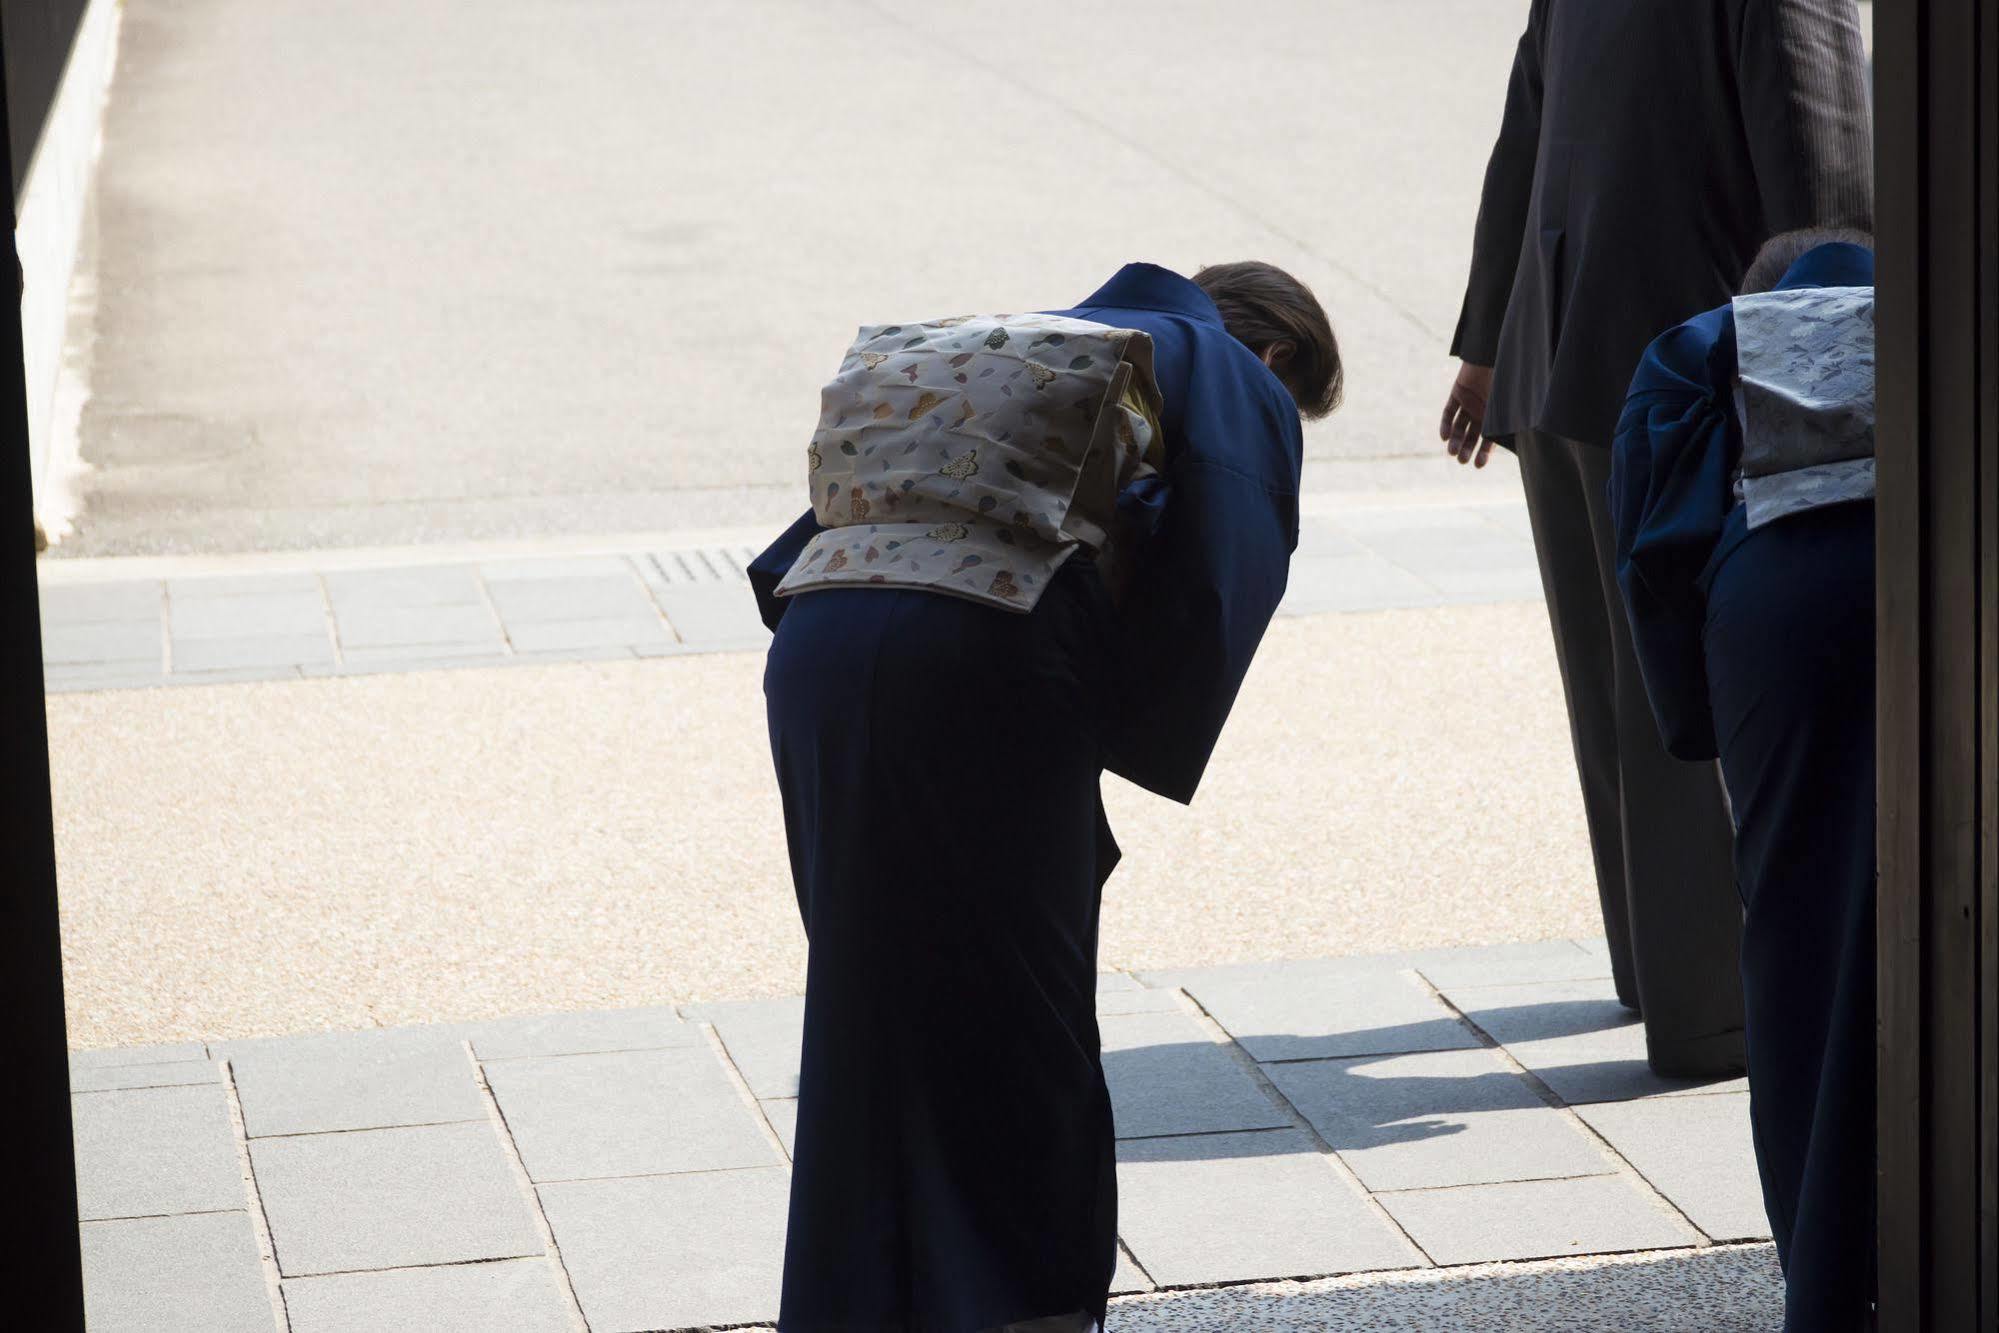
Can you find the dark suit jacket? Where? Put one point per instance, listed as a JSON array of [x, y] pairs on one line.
[[1650, 147]]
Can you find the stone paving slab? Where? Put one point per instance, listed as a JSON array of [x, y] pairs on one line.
[[1277, 971], [466, 628], [432, 613], [673, 1252], [190, 1274], [1445, 1118], [549, 636], [267, 614], [651, 1159], [782, 1115], [251, 584], [405, 588], [1480, 586], [1167, 1077], [1238, 1207], [116, 676], [1510, 964], [102, 644], [763, 1038], [530, 600], [629, 1113], [87, 603], [172, 1074], [583, 1033], [1128, 1278], [146, 1152], [1477, 965], [1576, 1038], [251, 652], [354, 1080], [1137, 1001], [1382, 1013], [518, 1295], [158, 1053], [1357, 581], [1691, 1149], [418, 657], [1536, 1219], [392, 1198], [711, 613]]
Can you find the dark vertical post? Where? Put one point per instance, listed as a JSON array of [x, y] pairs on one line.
[[1984, 712], [1937, 205], [42, 1161]]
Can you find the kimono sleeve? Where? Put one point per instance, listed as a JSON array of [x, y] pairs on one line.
[[1670, 494], [1207, 586], [768, 570]]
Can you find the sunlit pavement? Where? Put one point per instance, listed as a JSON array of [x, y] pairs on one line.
[[1436, 1120]]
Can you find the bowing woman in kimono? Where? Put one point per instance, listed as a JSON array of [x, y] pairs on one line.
[[1040, 546], [1742, 481]]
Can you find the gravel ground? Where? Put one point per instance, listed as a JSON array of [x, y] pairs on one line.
[[1727, 1289], [1723, 1289], [256, 859]]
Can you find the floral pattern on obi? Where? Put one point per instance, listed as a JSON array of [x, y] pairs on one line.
[[1805, 398], [974, 456]]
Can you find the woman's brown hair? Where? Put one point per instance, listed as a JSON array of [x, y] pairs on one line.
[[1263, 306]]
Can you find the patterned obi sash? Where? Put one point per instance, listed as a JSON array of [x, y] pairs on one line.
[[1806, 399], [974, 456]]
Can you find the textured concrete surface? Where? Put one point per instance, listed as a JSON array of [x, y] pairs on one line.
[[269, 858], [584, 268]]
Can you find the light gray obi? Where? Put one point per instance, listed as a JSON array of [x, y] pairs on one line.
[[974, 456], [1805, 398]]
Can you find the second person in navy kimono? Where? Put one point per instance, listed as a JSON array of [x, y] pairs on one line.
[[1742, 482]]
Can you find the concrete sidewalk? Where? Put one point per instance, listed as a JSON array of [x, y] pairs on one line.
[[1435, 1122], [584, 268], [121, 623]]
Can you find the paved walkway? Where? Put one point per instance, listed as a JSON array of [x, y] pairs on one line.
[[1349, 1137], [278, 358], [120, 623]]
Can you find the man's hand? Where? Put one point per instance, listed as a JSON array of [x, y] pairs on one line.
[[1464, 415]]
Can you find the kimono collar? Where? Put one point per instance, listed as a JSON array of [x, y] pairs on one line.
[[1836, 264], [1150, 287]]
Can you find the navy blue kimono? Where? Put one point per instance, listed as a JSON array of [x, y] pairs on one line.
[[939, 759], [1757, 648]]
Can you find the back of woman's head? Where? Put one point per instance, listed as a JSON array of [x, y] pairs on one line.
[[1277, 317], [1786, 248]]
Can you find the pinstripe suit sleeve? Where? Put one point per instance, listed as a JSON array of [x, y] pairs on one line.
[[1802, 75], [1502, 209]]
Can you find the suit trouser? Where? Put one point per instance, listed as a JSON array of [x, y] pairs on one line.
[[1659, 827]]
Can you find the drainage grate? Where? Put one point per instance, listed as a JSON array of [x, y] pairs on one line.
[[703, 564]]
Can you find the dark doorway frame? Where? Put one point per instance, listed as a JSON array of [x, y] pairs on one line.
[[48, 1249], [1937, 206]]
